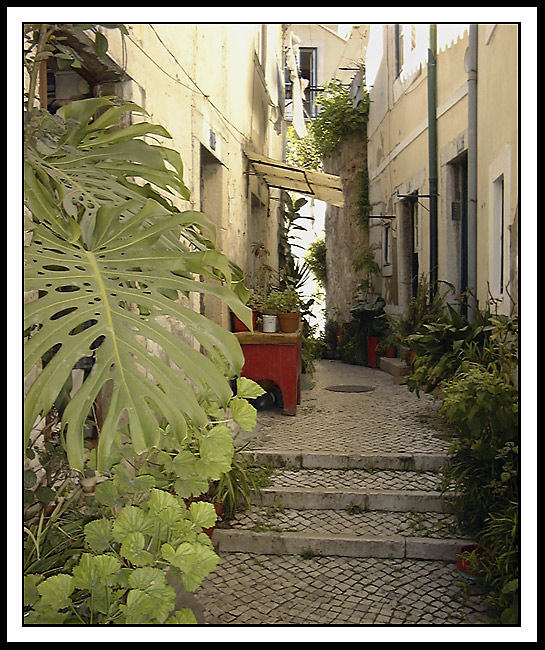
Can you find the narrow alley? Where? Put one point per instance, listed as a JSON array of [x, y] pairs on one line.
[[326, 545]]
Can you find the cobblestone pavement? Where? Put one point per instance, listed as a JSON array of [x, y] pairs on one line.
[[253, 589], [387, 419], [249, 589]]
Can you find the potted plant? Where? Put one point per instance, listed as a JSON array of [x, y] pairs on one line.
[[286, 304], [372, 320], [389, 345], [255, 301], [232, 491], [470, 561]]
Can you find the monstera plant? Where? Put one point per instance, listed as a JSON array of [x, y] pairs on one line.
[[110, 257], [112, 267]]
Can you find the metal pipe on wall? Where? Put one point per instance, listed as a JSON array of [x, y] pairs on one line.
[[432, 156], [471, 69]]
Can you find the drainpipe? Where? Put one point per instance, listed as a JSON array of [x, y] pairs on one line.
[[472, 170], [432, 156]]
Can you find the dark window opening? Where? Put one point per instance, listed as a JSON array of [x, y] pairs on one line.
[[308, 69]]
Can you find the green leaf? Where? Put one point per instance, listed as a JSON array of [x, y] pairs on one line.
[[29, 479], [126, 482], [131, 519], [140, 608], [202, 514], [101, 44], [30, 589], [248, 389], [98, 534], [45, 495], [95, 571], [108, 494], [102, 303], [167, 508], [182, 617], [244, 414], [195, 562], [216, 452], [133, 549], [191, 485], [159, 594], [55, 591], [108, 238]]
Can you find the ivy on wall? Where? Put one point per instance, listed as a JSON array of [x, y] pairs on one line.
[[336, 120]]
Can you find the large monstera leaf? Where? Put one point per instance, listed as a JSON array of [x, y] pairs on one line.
[[112, 261]]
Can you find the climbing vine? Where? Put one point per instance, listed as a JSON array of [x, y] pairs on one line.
[[336, 120]]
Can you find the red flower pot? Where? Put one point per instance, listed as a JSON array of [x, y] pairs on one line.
[[470, 560], [372, 342], [239, 326]]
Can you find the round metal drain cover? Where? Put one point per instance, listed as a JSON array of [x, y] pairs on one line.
[[351, 389]]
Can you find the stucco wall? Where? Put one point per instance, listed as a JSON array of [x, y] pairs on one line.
[[344, 235], [217, 89], [399, 156]]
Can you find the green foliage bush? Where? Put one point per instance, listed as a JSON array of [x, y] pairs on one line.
[[111, 255], [315, 257], [336, 120], [337, 117], [474, 365]]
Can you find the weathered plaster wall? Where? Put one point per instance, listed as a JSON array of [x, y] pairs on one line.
[[344, 235]]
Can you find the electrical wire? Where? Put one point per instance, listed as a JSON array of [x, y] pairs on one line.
[[197, 90]]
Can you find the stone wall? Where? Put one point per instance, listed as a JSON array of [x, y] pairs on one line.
[[344, 234]]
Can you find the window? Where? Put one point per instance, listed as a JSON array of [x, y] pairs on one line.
[[398, 48], [308, 68], [387, 243], [498, 263]]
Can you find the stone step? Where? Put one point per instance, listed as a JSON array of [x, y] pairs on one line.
[[331, 499], [277, 530], [396, 367], [330, 460], [393, 490]]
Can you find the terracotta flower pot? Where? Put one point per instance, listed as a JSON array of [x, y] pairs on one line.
[[288, 322], [372, 342], [468, 566], [391, 352], [239, 326]]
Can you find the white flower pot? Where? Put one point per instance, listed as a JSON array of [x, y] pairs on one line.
[[270, 322]]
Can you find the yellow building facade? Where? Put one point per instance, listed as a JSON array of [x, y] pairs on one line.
[[443, 161], [218, 89]]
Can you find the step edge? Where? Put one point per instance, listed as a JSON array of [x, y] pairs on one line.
[[380, 546]]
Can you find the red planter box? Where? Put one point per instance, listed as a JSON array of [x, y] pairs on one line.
[[277, 358]]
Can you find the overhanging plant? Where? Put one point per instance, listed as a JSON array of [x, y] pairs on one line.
[[111, 258]]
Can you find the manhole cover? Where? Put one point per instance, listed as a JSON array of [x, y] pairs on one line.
[[351, 389]]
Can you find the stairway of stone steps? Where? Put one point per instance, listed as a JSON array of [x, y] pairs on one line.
[[367, 506], [353, 529]]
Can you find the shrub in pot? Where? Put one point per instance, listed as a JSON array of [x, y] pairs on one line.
[[287, 305], [254, 302], [370, 315]]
